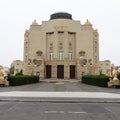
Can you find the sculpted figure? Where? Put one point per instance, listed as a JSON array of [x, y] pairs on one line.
[[3, 81], [1, 75], [115, 73]]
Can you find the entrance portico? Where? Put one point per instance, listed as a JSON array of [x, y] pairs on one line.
[[60, 70]]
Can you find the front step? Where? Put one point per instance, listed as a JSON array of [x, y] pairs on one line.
[[60, 80]]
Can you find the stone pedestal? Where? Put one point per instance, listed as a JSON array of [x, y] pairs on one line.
[[113, 83]]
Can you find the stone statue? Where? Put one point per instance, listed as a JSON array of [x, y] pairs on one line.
[[1, 74], [115, 73], [115, 81], [3, 81]]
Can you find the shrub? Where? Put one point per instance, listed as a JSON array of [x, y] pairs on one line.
[[119, 76], [97, 80], [21, 80], [19, 73]]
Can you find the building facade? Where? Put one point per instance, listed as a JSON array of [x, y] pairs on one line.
[[105, 67], [61, 48], [17, 66]]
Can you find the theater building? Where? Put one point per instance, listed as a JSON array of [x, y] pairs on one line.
[[61, 48]]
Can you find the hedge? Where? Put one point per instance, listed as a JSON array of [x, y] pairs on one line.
[[22, 80], [97, 80], [119, 76]]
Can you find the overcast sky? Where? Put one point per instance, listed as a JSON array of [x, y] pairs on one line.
[[17, 15]]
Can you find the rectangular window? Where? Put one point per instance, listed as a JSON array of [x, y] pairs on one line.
[[51, 55], [60, 55], [70, 56]]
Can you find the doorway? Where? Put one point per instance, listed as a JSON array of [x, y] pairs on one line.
[[48, 71], [60, 71], [72, 71]]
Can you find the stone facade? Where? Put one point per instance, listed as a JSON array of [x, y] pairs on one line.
[[105, 67], [17, 65], [61, 48]]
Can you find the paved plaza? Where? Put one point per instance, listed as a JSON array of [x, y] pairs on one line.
[[59, 111], [61, 91]]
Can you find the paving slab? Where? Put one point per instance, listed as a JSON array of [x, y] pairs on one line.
[[60, 96]]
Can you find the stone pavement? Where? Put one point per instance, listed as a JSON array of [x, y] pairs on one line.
[[60, 92]]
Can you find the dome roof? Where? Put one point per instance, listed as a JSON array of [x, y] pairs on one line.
[[61, 15]]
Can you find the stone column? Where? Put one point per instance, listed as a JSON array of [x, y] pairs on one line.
[[54, 71], [66, 71]]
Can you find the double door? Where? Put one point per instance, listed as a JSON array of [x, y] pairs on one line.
[[72, 71], [60, 71], [48, 71]]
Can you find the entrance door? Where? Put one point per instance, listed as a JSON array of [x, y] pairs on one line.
[[60, 71], [48, 71], [72, 71]]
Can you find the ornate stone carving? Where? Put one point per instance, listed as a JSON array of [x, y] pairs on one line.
[[70, 44], [39, 53], [37, 62], [82, 61], [61, 27], [90, 61], [51, 46], [29, 61], [34, 22], [82, 58], [82, 53], [26, 33], [60, 47]]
